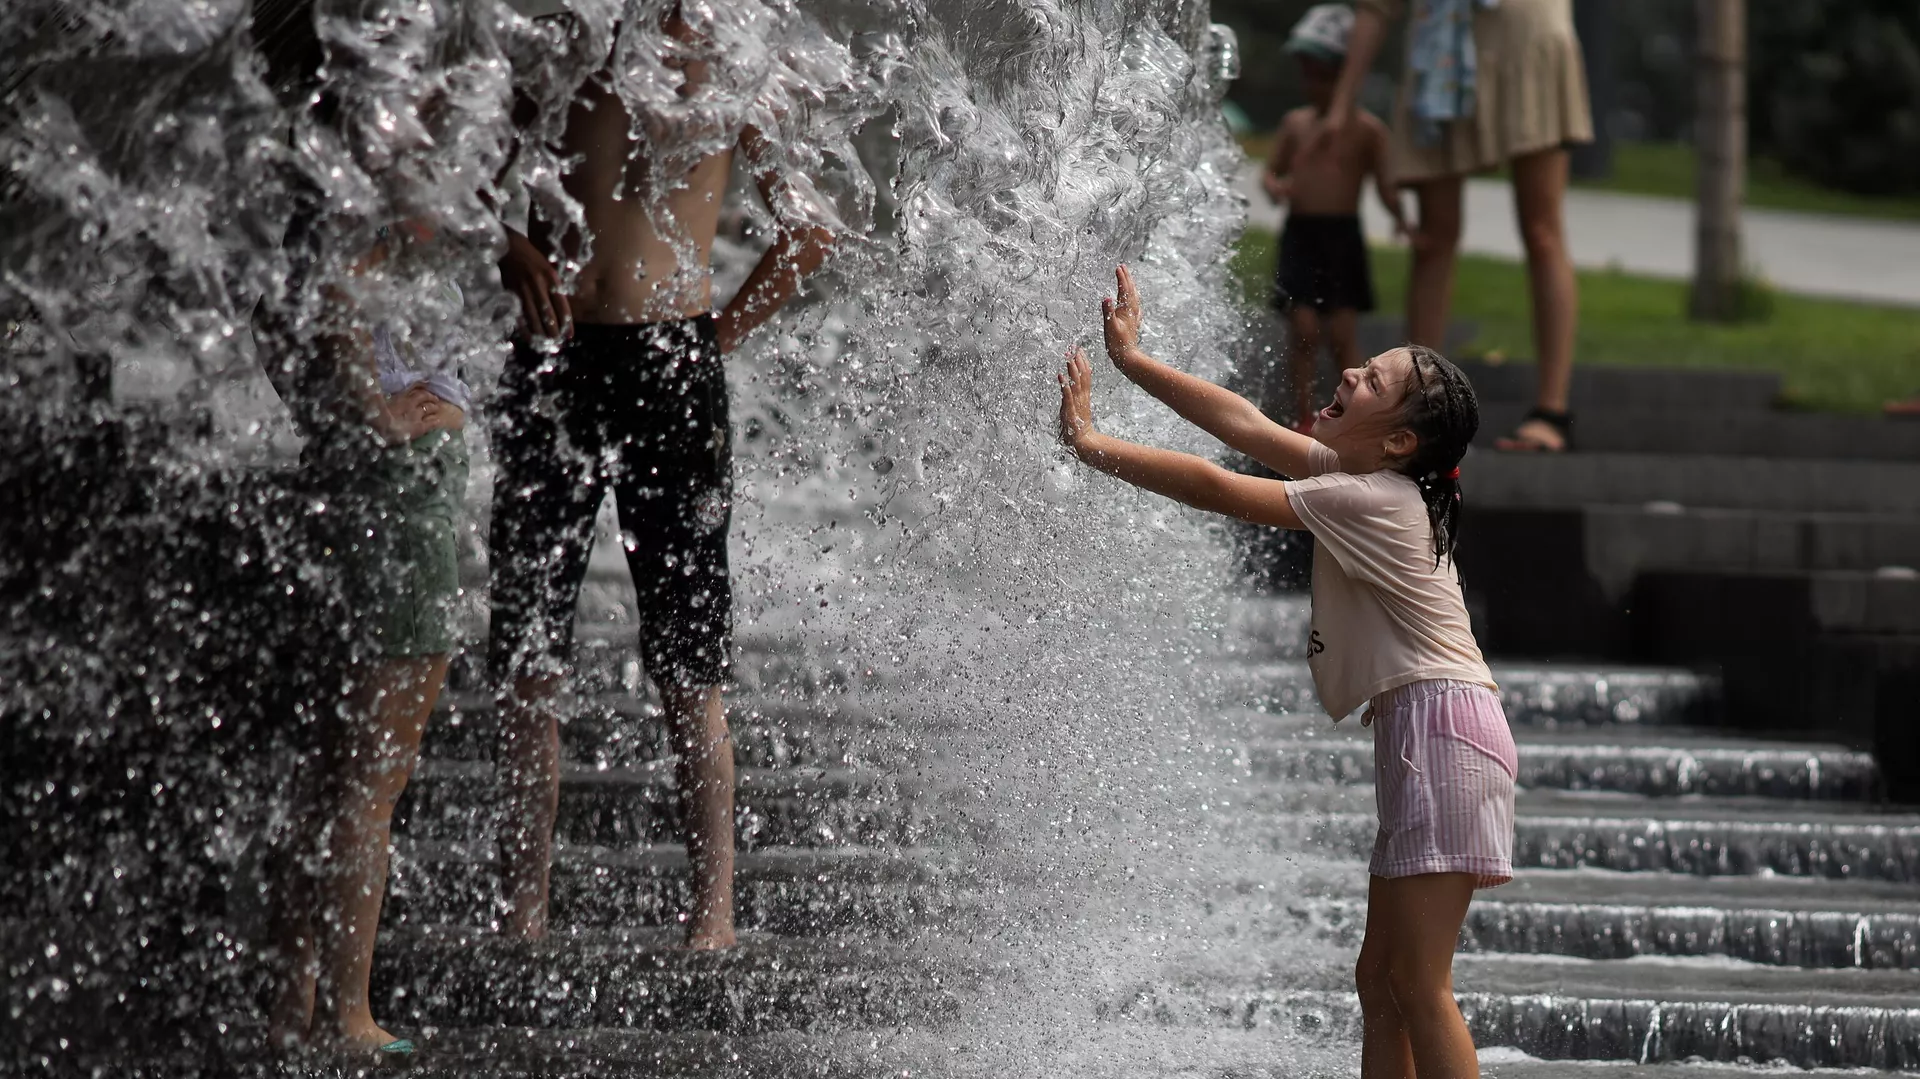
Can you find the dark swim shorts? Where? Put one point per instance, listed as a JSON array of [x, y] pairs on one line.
[[1323, 264], [640, 410]]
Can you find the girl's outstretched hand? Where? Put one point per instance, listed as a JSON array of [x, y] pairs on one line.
[[1076, 400], [1121, 314]]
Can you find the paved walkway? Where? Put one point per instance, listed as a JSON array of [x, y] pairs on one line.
[[1812, 254]]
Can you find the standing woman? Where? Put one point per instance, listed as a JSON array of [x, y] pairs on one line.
[[1488, 83]]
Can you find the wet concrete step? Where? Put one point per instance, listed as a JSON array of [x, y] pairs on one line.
[[1647, 1011], [622, 730], [1668, 428], [1691, 480], [1616, 543], [1567, 829], [1625, 759], [788, 891], [455, 801], [1533, 694], [1599, 390], [1593, 914], [641, 979]]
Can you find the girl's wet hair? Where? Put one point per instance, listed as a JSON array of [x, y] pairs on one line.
[[1443, 413]]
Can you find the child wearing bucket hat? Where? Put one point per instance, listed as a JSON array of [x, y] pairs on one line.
[[1323, 282]]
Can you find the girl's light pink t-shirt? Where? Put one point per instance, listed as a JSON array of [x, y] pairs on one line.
[[1383, 614]]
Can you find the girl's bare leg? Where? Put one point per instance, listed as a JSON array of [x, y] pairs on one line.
[[697, 723], [291, 902], [1430, 281], [1303, 359], [1419, 920], [1539, 190], [1385, 1052], [529, 757], [377, 748]]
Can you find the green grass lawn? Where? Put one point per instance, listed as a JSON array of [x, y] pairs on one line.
[[1666, 168], [1834, 355]]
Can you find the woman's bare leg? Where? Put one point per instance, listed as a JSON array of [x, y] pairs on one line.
[[529, 765], [1539, 192], [1421, 917], [1435, 256], [1303, 359], [377, 748], [697, 723]]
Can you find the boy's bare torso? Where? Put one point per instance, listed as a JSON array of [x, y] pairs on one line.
[[637, 272], [1327, 178]]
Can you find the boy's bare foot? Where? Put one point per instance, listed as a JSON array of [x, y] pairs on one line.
[[710, 938], [527, 923]]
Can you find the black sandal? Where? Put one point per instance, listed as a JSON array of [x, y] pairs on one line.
[[1561, 422]]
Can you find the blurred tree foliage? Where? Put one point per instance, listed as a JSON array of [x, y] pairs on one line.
[[1833, 85]]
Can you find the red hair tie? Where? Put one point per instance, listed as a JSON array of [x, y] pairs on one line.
[[1455, 474]]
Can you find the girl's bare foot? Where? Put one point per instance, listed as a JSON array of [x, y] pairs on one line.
[[360, 1039]]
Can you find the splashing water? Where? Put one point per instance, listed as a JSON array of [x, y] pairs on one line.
[[903, 507]]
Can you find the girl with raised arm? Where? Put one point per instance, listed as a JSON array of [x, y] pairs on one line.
[[1379, 488]]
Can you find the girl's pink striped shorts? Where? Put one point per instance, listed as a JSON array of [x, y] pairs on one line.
[[1443, 772]]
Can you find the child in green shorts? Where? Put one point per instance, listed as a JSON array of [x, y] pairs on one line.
[[405, 575]]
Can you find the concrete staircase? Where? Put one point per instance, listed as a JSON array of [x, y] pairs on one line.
[[1684, 891], [840, 904], [1700, 525]]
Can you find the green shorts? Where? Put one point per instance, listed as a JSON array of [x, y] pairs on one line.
[[411, 558]]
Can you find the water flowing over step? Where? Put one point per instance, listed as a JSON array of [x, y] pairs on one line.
[[1772, 920], [1644, 1011]]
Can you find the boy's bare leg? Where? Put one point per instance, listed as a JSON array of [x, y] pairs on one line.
[[1539, 188], [697, 723], [1343, 337], [378, 745], [1303, 360], [529, 765], [1430, 283]]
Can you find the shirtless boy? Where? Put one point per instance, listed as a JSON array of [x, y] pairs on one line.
[[634, 400], [1324, 283]]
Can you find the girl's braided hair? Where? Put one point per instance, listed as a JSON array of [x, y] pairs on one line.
[[1444, 414]]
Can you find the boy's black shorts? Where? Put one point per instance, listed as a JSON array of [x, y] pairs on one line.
[[1323, 264], [640, 410]]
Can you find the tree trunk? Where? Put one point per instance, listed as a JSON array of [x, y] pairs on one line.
[[1720, 141]]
